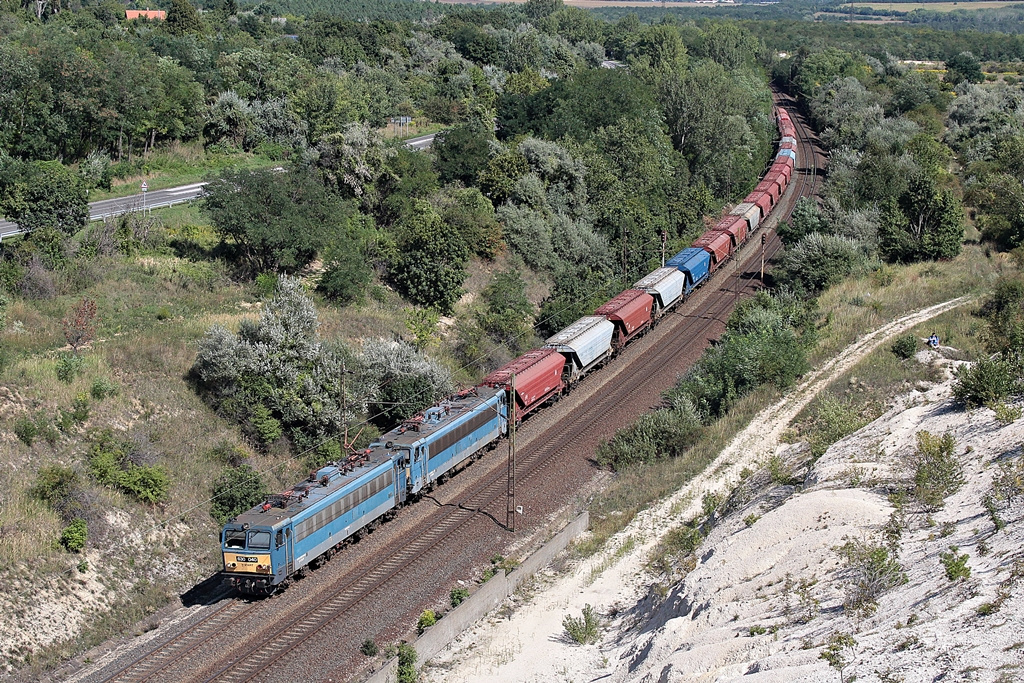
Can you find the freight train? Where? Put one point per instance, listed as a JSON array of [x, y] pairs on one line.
[[265, 546]]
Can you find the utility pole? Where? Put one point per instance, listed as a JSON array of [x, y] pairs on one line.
[[510, 496], [664, 243], [343, 405], [764, 240]]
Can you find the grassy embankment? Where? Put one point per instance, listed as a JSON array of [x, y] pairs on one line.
[[153, 308], [847, 310]]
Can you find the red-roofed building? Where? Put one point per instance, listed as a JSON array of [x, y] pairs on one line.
[[157, 14]]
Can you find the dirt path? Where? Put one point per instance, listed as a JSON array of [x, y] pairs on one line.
[[528, 645]]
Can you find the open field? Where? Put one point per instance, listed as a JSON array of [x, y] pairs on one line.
[[935, 6]]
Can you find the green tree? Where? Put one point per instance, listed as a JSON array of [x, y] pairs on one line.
[[346, 273], [275, 222], [538, 9], [43, 194], [926, 223], [462, 152], [182, 18], [963, 67], [469, 213], [431, 266], [806, 218], [236, 490]]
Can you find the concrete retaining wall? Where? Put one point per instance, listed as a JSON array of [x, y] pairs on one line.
[[486, 598]]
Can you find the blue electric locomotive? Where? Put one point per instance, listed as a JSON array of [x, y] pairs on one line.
[[266, 545]]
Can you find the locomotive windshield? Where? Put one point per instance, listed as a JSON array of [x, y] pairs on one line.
[[259, 540], [234, 538]]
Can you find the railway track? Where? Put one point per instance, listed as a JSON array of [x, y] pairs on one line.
[[258, 654], [249, 663]]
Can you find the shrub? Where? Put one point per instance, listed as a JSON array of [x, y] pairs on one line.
[[834, 418], [819, 261], [905, 346], [655, 436], [80, 408], [427, 619], [937, 472], [346, 275], [236, 490], [757, 630], [764, 343], [102, 388], [1006, 414], [147, 483], [37, 281], [778, 471], [955, 564], [227, 453], [264, 425], [74, 535], [839, 652], [26, 430], [406, 663], [265, 285], [110, 464], [872, 570], [459, 595], [54, 485], [69, 366], [276, 376], [584, 629], [369, 648], [405, 381], [988, 381]]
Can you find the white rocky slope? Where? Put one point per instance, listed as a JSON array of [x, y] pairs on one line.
[[782, 574]]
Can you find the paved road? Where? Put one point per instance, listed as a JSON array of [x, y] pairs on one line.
[[169, 197]]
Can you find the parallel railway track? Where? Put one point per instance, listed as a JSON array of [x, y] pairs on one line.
[[255, 655]]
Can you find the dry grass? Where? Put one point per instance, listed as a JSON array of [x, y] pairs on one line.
[[865, 303]]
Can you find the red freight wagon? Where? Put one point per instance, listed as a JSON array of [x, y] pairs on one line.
[[769, 187], [538, 378], [783, 169], [736, 226], [630, 312], [776, 178], [763, 200], [787, 145], [718, 244]]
